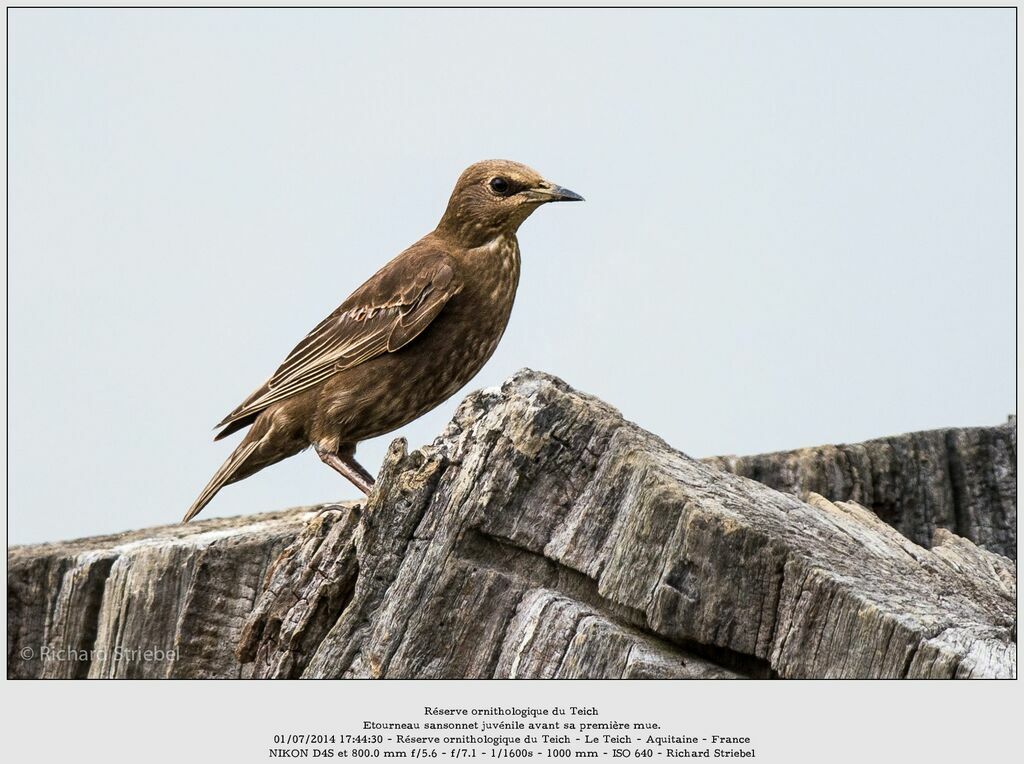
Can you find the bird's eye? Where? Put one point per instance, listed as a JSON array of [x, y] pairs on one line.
[[499, 185]]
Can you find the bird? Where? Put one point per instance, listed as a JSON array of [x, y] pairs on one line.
[[401, 344]]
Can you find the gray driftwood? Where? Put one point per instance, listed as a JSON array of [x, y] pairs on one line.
[[963, 480], [541, 535]]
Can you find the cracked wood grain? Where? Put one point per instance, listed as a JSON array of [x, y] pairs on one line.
[[542, 535], [960, 479]]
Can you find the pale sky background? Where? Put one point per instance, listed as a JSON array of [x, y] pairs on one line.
[[799, 225]]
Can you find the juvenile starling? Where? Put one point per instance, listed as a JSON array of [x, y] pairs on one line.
[[402, 343]]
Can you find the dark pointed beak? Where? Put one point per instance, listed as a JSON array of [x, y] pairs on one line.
[[560, 194], [549, 192]]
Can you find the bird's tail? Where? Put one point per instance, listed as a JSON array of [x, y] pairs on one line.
[[224, 475]]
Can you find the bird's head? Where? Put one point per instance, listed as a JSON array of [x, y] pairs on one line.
[[494, 197]]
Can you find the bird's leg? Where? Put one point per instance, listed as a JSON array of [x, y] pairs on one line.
[[344, 461]]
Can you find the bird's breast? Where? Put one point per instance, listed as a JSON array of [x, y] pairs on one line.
[[473, 322], [490, 277]]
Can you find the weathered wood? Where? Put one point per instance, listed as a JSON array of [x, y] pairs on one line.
[[960, 479], [92, 607], [541, 535]]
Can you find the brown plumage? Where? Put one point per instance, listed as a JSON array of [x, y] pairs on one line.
[[402, 343]]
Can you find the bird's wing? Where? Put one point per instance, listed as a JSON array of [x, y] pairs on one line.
[[383, 315]]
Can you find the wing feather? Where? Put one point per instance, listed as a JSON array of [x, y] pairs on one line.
[[382, 316]]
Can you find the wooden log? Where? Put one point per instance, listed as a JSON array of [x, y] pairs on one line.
[[961, 479], [93, 607], [541, 535]]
